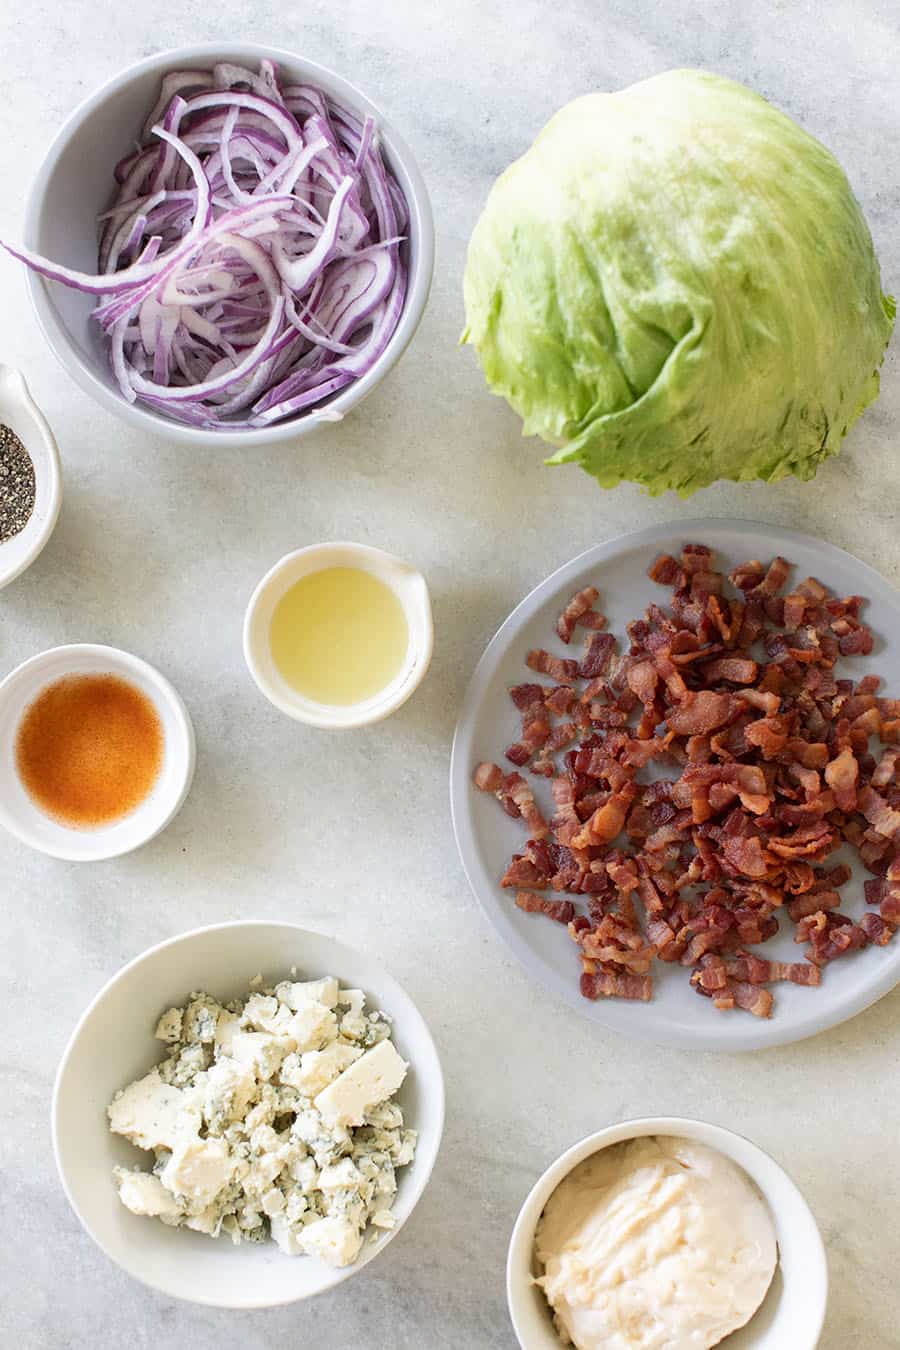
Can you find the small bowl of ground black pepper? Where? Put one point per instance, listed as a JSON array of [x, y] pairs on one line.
[[30, 478]]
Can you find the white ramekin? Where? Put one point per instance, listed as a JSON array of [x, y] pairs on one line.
[[793, 1311], [407, 584], [21, 414], [24, 818]]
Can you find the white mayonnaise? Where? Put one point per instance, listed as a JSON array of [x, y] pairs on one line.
[[655, 1244]]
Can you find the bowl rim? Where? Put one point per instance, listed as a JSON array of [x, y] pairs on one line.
[[14, 382], [116, 658], [378, 707], [421, 1182], [419, 281], [726, 1141]]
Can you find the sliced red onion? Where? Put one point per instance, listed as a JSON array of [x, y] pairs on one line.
[[249, 267]]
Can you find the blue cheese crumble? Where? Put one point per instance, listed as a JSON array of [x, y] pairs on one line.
[[270, 1117]]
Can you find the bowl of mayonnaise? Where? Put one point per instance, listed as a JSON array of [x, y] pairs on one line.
[[666, 1232]]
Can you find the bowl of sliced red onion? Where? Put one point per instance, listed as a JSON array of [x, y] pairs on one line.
[[228, 244]]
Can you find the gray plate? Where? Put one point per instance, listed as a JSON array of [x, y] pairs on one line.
[[487, 837]]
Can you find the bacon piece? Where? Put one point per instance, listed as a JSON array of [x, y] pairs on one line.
[[769, 734], [575, 610], [886, 772], [812, 903], [642, 680], [878, 812], [772, 582], [664, 570], [876, 930], [890, 907], [734, 669], [566, 821], [747, 856], [764, 701], [751, 998], [521, 795], [488, 777], [559, 699], [599, 650], [563, 911], [528, 697], [535, 734], [700, 713], [608, 821], [842, 775], [523, 871], [623, 872], [559, 668], [609, 984], [858, 642], [748, 576], [794, 610], [695, 558]]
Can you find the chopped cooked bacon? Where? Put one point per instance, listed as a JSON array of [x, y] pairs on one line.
[[700, 713], [812, 903], [642, 680], [748, 575], [876, 930], [613, 984], [734, 669], [842, 775], [769, 734], [757, 970], [563, 911], [608, 821], [890, 907], [886, 770], [879, 812], [858, 642], [529, 698], [772, 582], [747, 856], [521, 795], [488, 777], [579, 606], [599, 650], [559, 668], [535, 734], [665, 570], [774, 766], [833, 938], [752, 998], [559, 699]]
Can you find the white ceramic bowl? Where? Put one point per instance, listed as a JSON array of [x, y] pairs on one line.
[[21, 414], [792, 1312], [407, 584], [74, 184], [113, 1044], [23, 818]]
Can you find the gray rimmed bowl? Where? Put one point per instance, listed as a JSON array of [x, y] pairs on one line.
[[75, 183]]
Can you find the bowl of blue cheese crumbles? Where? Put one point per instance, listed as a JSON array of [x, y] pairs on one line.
[[281, 1111]]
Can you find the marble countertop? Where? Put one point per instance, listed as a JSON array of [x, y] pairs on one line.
[[157, 551]]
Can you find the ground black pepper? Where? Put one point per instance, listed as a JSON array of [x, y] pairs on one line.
[[16, 485]]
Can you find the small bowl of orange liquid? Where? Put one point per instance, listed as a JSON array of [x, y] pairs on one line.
[[339, 635], [96, 752]]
